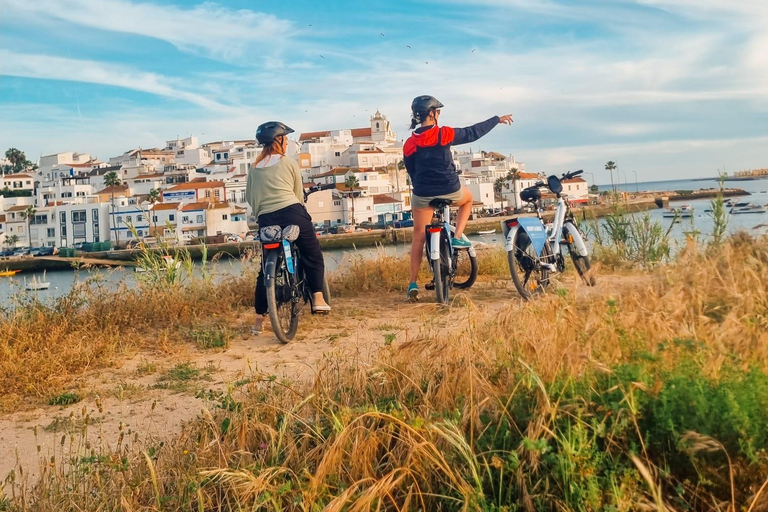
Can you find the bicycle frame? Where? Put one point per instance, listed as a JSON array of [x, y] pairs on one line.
[[449, 229]]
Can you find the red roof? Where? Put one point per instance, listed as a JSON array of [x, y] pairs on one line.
[[165, 206], [528, 176], [196, 184], [361, 132], [382, 199], [575, 180], [194, 206], [313, 135]]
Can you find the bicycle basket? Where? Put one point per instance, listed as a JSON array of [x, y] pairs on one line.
[[291, 233], [270, 234]]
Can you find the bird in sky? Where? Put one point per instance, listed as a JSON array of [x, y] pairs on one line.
[[322, 57], [382, 34], [409, 46], [473, 51]]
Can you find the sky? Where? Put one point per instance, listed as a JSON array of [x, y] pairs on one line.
[[665, 88]]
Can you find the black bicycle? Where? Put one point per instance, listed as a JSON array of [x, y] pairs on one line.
[[451, 266], [285, 280]]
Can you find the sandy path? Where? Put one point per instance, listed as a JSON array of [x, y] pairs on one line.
[[146, 408]]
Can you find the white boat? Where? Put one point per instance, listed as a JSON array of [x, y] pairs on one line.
[[36, 284], [684, 211], [748, 208], [486, 232]]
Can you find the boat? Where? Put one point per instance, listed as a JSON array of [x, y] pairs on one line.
[[684, 211], [748, 208], [8, 273], [486, 232], [36, 284]]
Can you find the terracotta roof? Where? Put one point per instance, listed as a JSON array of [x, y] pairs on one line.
[[313, 135], [116, 188], [575, 180], [165, 206], [86, 164], [143, 176], [195, 185], [528, 176], [205, 205], [19, 208], [12, 176], [361, 132], [237, 209], [382, 199], [2, 218]]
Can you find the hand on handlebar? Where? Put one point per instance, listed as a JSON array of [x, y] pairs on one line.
[[506, 119]]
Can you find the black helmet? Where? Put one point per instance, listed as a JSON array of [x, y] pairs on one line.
[[267, 133], [422, 105]]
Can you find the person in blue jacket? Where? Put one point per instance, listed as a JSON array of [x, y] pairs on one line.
[[429, 162]]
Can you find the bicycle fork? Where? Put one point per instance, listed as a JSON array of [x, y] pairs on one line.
[[434, 232]]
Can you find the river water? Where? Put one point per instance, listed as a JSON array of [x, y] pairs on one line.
[[62, 281]]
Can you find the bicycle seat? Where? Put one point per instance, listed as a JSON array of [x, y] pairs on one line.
[[530, 194], [271, 234], [440, 203], [291, 233]]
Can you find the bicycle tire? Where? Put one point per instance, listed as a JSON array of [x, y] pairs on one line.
[[442, 276], [283, 314], [326, 291], [582, 263], [523, 257], [473, 268]]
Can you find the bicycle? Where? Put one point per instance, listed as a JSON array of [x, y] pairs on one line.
[[284, 278], [451, 267], [534, 248]]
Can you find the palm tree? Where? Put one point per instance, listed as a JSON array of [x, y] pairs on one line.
[[29, 215], [17, 158], [610, 167], [11, 240], [112, 180], [352, 183]]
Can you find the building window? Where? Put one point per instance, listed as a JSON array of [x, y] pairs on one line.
[[185, 220], [337, 154], [128, 219], [50, 232], [223, 217], [172, 217], [217, 194], [337, 203], [207, 193], [119, 219], [139, 232], [78, 216], [199, 219], [154, 218], [139, 218]]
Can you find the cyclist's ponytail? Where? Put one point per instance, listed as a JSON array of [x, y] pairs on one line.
[[414, 123]]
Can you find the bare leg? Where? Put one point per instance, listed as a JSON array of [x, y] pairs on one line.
[[421, 217], [465, 210]]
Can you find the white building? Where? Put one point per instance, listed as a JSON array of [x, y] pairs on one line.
[[197, 190], [64, 189], [22, 182], [511, 189], [576, 190], [487, 166], [16, 224], [485, 194], [387, 209], [326, 207], [86, 221], [188, 151], [48, 162], [43, 227]]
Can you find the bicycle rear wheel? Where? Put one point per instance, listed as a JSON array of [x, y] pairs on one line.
[[442, 275], [528, 274], [282, 302], [466, 269]]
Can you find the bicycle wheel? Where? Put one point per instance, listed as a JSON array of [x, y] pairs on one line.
[[441, 273], [326, 291], [281, 301], [466, 269], [528, 274]]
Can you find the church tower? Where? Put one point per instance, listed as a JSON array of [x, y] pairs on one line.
[[381, 130]]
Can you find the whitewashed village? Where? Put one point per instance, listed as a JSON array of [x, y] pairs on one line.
[[188, 192]]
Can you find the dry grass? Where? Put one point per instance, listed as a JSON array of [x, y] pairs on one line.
[[555, 404], [46, 348]]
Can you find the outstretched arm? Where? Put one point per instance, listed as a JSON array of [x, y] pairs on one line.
[[474, 132]]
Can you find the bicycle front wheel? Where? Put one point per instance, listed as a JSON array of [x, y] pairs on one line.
[[281, 301], [528, 274], [466, 269]]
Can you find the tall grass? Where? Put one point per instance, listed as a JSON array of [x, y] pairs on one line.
[[653, 397]]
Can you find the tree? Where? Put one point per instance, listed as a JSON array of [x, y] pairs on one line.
[[498, 185], [610, 167], [11, 240], [112, 180], [352, 183], [29, 215], [18, 161], [401, 165]]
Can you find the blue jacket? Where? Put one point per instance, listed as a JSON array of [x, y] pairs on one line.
[[428, 158]]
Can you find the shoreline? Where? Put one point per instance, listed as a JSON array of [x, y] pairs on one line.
[[643, 201]]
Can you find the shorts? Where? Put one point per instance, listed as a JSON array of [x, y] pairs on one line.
[[423, 202]]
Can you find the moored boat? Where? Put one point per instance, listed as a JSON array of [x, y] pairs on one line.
[[8, 273], [681, 212], [36, 284], [748, 208]]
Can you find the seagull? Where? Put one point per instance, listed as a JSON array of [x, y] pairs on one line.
[[427, 62], [382, 34], [473, 51], [322, 57], [310, 24], [409, 46]]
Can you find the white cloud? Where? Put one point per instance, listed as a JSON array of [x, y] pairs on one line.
[[76, 70], [208, 28]]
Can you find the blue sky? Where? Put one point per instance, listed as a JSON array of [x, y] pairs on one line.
[[666, 88]]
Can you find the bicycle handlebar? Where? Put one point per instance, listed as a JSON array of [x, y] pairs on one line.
[[572, 174], [317, 188]]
